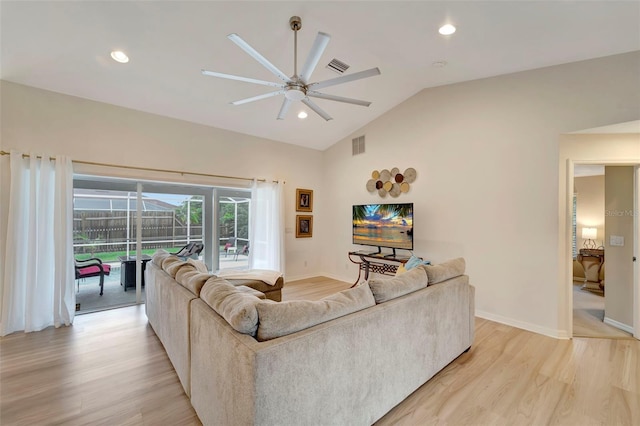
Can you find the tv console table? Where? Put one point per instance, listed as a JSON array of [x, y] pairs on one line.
[[378, 263]]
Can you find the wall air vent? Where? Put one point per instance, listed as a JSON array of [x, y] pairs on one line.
[[357, 145], [337, 66]]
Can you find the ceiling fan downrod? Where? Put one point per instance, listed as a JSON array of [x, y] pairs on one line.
[[295, 22], [295, 90]]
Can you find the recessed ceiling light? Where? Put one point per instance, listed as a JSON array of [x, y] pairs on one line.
[[447, 29], [119, 56], [302, 114], [439, 64]]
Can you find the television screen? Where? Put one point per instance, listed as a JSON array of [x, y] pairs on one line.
[[384, 225]]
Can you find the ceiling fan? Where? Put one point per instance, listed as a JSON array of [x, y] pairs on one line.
[[296, 87]]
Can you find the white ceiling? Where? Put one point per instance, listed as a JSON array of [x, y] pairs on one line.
[[64, 46]]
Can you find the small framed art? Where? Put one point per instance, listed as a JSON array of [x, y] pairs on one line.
[[304, 200], [304, 226]]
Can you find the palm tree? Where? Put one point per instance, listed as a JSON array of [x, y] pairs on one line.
[[402, 210], [359, 213]]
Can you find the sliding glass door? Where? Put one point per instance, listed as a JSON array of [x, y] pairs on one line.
[[117, 220]]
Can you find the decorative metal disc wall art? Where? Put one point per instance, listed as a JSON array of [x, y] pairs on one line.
[[391, 182]]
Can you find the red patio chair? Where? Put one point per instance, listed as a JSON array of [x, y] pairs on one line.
[[92, 267]]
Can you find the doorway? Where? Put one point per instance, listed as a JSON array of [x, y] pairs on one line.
[[599, 191], [593, 148]]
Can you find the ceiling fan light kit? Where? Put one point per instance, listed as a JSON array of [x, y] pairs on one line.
[[297, 87]]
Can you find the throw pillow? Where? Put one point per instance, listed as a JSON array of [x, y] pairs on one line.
[[237, 307], [415, 261], [280, 319], [401, 269], [443, 271], [384, 289]]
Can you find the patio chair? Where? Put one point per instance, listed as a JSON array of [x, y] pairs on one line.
[[92, 267], [230, 246], [245, 251], [190, 250]]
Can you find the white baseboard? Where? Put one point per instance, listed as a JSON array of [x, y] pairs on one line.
[[556, 334], [619, 325]]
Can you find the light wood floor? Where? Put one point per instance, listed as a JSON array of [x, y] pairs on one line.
[[110, 369], [588, 315]]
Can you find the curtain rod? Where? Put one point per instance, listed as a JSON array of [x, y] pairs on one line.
[[149, 169]]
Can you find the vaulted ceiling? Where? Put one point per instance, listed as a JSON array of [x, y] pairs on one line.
[[65, 46]]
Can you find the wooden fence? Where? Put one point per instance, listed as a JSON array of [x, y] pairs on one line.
[[105, 231]]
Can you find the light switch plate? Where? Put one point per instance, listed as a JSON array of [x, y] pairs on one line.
[[616, 241]]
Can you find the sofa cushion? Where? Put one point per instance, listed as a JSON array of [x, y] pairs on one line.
[[279, 319], [172, 264], [384, 289], [443, 271], [181, 273], [191, 279], [159, 256], [199, 265], [237, 307]]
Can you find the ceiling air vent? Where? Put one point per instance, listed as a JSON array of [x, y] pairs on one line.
[[337, 66], [357, 145]]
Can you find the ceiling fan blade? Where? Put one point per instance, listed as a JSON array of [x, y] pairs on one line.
[[257, 98], [338, 99], [284, 109], [320, 43], [316, 109], [245, 79], [345, 78], [258, 57]]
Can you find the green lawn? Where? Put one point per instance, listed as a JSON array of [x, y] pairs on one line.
[[112, 256]]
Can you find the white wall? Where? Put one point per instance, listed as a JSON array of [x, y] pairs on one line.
[[486, 153], [35, 120], [589, 207]]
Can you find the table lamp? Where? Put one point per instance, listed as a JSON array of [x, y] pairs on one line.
[[589, 235]]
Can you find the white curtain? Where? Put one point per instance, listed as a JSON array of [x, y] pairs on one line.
[[266, 231], [39, 274]]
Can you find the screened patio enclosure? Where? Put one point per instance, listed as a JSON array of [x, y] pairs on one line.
[[107, 226], [104, 221]]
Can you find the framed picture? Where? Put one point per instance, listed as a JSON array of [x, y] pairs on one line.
[[304, 200], [304, 226]]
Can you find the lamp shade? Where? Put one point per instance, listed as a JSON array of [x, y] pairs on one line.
[[589, 233]]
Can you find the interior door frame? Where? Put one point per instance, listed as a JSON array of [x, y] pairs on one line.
[[636, 251], [568, 264]]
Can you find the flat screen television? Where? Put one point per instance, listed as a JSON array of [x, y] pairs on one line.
[[384, 225]]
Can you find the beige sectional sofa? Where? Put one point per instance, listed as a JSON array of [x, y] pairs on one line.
[[346, 359], [171, 285]]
